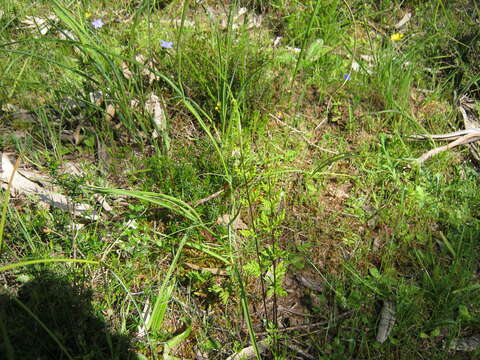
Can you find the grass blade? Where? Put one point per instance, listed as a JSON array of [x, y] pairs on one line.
[[169, 202], [159, 309], [45, 261]]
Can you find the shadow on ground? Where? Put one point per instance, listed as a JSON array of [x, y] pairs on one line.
[[49, 318]]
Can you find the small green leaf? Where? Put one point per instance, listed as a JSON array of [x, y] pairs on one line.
[[316, 50], [374, 272], [464, 313], [90, 141]]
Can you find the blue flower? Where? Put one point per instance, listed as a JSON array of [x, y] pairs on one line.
[[166, 44], [346, 77], [97, 23]]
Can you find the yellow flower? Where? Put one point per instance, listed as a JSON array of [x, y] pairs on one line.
[[396, 37], [88, 15]]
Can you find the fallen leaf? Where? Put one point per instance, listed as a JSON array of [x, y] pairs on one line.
[[71, 168], [96, 97], [77, 137], [103, 202], [387, 321], [126, 71], [310, 283], [249, 352], [155, 107], [110, 112], [43, 25], [145, 315], [237, 223], [21, 184], [146, 70], [404, 20]]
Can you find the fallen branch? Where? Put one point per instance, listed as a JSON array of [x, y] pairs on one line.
[[460, 141], [208, 198], [306, 326]]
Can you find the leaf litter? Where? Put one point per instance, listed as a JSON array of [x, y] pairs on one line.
[[22, 184]]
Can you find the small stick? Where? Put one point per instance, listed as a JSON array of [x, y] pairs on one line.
[[214, 271], [306, 326], [208, 198], [302, 135], [460, 141]]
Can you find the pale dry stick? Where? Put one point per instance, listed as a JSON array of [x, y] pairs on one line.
[[449, 136], [306, 326], [460, 141], [208, 198], [214, 271], [301, 133], [320, 124]]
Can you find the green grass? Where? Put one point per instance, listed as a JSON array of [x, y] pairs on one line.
[[271, 165]]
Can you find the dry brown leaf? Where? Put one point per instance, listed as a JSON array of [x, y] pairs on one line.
[[110, 112], [237, 223], [101, 199], [43, 25], [145, 70], [404, 20], [96, 97], [155, 107], [249, 352], [77, 137], [21, 184], [310, 283], [126, 71], [71, 168], [387, 321]]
